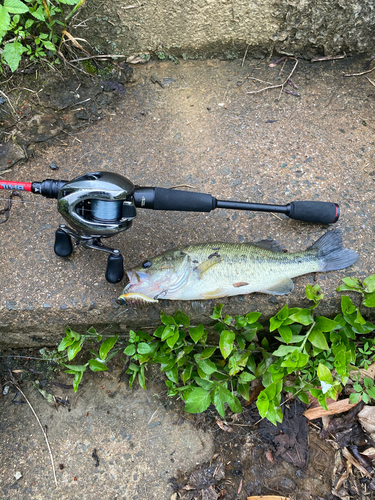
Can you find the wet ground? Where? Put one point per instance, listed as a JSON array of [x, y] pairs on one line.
[[195, 124], [192, 124]]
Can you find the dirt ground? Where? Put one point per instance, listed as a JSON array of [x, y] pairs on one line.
[[192, 124]]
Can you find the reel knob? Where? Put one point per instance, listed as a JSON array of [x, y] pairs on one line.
[[63, 244], [115, 267]]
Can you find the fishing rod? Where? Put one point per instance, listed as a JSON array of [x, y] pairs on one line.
[[103, 204]]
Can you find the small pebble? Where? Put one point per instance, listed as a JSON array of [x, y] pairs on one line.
[[5, 390], [53, 166]]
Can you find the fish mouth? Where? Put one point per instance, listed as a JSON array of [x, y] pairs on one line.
[[136, 277]]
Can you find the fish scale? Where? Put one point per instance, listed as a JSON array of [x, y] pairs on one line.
[[214, 270]]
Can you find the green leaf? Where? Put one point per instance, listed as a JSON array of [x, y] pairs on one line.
[[74, 349], [303, 397], [286, 333], [369, 300], [167, 320], [69, 2], [4, 20], [283, 350], [186, 374], [206, 365], [196, 332], [15, 6], [252, 317], [70, 333], [226, 342], [325, 324], [219, 403], [275, 323], [107, 346], [66, 342], [130, 350], [324, 374], [181, 318], [97, 366], [39, 13], [198, 400], [368, 382], [369, 284], [371, 392], [144, 348], [354, 398], [302, 316], [245, 377], [172, 340], [75, 368], [317, 338], [49, 45], [168, 331], [77, 379], [263, 404], [12, 54], [283, 313], [172, 374], [207, 353], [217, 312], [141, 378], [347, 305], [29, 23]]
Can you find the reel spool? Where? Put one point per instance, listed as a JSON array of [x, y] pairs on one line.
[[95, 206]]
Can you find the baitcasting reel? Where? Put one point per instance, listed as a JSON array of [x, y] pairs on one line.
[[102, 204]]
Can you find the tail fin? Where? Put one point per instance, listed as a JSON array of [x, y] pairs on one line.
[[331, 252]]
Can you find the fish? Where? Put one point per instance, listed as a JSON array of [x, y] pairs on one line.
[[214, 270]]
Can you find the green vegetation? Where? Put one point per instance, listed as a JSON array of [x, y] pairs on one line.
[[310, 354], [33, 28]]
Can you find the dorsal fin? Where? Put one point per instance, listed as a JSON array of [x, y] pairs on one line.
[[271, 245]]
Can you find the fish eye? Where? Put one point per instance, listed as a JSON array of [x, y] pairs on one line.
[[146, 264]]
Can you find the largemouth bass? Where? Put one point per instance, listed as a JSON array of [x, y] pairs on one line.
[[213, 270]]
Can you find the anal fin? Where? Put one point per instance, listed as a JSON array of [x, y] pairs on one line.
[[284, 286], [214, 294]]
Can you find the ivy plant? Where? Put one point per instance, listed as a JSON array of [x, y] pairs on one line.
[[297, 351]]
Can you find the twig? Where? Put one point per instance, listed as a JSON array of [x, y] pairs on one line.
[[281, 85], [277, 217], [96, 57], [346, 453], [7, 98], [327, 58], [257, 80], [244, 57], [359, 74], [41, 426], [372, 83]]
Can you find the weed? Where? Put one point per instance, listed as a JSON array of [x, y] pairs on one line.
[[311, 355], [33, 28]]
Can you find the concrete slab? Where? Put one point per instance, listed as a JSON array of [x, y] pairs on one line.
[[134, 435], [203, 130]]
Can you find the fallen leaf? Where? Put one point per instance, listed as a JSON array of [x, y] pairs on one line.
[[224, 427], [334, 407]]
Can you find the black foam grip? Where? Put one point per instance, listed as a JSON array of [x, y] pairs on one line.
[[183, 201], [320, 212]]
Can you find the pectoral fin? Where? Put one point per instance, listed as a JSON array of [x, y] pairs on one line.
[[285, 286], [215, 294], [205, 265]]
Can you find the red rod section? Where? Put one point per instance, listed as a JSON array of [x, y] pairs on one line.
[[18, 186]]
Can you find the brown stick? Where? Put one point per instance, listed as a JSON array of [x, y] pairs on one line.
[[359, 74], [327, 58], [280, 84]]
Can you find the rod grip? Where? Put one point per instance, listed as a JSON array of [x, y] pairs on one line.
[[173, 199], [320, 212]]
